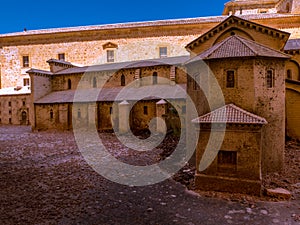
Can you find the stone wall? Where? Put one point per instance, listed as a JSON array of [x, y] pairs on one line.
[[15, 109], [245, 175]]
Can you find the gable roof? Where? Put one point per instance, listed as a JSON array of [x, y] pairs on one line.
[[236, 46], [230, 114], [237, 20]]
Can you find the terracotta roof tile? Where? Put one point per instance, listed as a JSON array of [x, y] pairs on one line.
[[230, 114], [236, 46]]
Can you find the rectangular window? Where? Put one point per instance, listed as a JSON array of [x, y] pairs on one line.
[[9, 104], [110, 110], [145, 110], [110, 55], [25, 61], [61, 56], [9, 120], [270, 79], [26, 82], [24, 103], [230, 79], [9, 112], [163, 52], [227, 160]]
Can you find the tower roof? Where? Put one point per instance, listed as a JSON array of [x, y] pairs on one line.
[[236, 46]]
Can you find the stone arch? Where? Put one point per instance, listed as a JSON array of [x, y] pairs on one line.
[[294, 67], [233, 31]]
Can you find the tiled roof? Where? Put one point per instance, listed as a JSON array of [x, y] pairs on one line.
[[230, 114], [168, 22], [236, 46], [111, 94], [178, 60], [292, 44]]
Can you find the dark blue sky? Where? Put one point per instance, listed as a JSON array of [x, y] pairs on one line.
[[15, 15]]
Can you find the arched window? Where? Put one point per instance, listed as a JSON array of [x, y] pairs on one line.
[[51, 113], [289, 74], [94, 82], [230, 79], [154, 78], [122, 80], [78, 113], [69, 84], [270, 78]]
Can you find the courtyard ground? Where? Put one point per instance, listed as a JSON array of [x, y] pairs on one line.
[[45, 180]]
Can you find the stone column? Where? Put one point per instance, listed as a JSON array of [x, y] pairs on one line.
[[92, 113], [124, 110], [160, 111]]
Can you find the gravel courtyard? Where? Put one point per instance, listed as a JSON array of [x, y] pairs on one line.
[[45, 180]]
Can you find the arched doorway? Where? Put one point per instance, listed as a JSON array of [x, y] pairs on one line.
[[23, 118]]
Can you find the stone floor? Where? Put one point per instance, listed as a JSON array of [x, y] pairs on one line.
[[45, 180]]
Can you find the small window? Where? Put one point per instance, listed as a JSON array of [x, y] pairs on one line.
[[25, 61], [9, 112], [24, 103], [230, 79], [94, 82], [51, 113], [78, 113], [270, 79], [163, 52], [154, 78], [26, 82], [122, 80], [110, 110], [145, 110], [0, 120], [289, 74], [69, 84], [9, 120], [61, 56], [110, 55], [227, 160], [9, 104]]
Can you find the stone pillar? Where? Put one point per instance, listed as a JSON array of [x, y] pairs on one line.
[[172, 75], [124, 110], [137, 77], [63, 116], [160, 111], [92, 113]]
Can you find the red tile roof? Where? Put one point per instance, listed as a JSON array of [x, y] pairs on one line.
[[230, 114], [235, 47]]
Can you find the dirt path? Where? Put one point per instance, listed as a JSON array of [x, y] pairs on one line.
[[44, 180]]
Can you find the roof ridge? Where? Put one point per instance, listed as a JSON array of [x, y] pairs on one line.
[[249, 46]]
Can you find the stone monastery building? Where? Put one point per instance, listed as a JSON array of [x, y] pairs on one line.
[[253, 50]]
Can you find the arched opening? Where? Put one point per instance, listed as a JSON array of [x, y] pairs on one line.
[[78, 114], [23, 118], [69, 84], [51, 113], [155, 78], [122, 80], [94, 82]]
